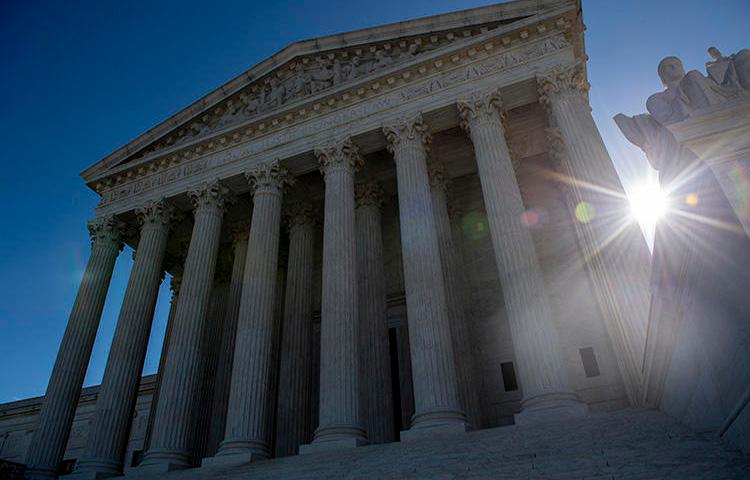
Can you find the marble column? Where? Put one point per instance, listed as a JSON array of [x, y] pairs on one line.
[[212, 336], [339, 422], [376, 396], [295, 370], [453, 289], [172, 435], [539, 360], [108, 433], [64, 389], [617, 257], [176, 270], [223, 381], [436, 391], [246, 436]]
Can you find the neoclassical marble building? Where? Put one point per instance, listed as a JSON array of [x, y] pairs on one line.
[[396, 233]]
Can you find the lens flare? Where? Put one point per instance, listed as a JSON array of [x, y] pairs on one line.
[[585, 212], [648, 203]]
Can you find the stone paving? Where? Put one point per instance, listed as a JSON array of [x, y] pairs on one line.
[[628, 444]]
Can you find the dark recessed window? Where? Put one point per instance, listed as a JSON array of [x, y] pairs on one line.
[[590, 366], [509, 376]]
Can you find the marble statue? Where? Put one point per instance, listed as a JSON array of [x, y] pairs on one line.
[[684, 93]]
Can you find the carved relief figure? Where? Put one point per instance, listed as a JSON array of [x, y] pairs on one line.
[[381, 60], [324, 76], [409, 53], [299, 84]]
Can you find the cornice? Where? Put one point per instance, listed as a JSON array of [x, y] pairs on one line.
[[504, 37]]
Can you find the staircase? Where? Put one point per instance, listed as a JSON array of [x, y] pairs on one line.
[[628, 444]]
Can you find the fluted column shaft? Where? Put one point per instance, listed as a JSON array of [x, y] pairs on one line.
[[456, 306], [376, 399], [174, 285], [536, 344], [108, 435], [619, 268], [226, 353], [436, 388], [339, 363], [295, 370], [248, 409], [212, 334], [172, 435], [64, 389]]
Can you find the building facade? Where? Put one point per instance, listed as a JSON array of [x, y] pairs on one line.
[[401, 232]]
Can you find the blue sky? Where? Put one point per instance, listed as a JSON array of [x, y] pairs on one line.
[[79, 79]]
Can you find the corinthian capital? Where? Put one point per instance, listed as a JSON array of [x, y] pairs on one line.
[[438, 177], [299, 214], [480, 109], [239, 232], [562, 80], [269, 177], [211, 194], [369, 194], [556, 145], [339, 154], [407, 131], [157, 212], [107, 230]]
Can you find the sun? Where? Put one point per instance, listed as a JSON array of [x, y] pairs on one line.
[[648, 203]]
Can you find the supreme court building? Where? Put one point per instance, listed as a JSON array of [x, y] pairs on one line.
[[386, 235]]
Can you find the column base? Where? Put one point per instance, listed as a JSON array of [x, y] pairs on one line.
[[160, 462], [95, 469], [331, 445], [550, 408]]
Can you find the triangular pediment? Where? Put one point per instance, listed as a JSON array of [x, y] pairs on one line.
[[308, 70]]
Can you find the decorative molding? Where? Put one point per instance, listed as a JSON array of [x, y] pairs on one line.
[[211, 195], [562, 80], [299, 214], [557, 150], [438, 176], [339, 154], [157, 212], [407, 131], [369, 194], [473, 63], [310, 75], [107, 230], [269, 177], [239, 232], [481, 109]]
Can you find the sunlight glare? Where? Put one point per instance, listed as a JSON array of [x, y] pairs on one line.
[[648, 203]]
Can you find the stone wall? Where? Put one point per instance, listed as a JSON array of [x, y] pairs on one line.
[[18, 420]]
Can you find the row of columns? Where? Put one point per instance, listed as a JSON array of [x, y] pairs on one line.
[[352, 318]]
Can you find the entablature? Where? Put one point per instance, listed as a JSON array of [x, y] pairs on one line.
[[430, 81]]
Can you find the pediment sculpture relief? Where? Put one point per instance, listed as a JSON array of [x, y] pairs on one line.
[[299, 79]]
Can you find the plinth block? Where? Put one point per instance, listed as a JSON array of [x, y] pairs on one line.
[[232, 460], [426, 433], [331, 445]]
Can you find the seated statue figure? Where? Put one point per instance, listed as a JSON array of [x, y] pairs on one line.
[[732, 72], [684, 92]]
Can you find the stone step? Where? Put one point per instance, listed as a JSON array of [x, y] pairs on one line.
[[628, 444]]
